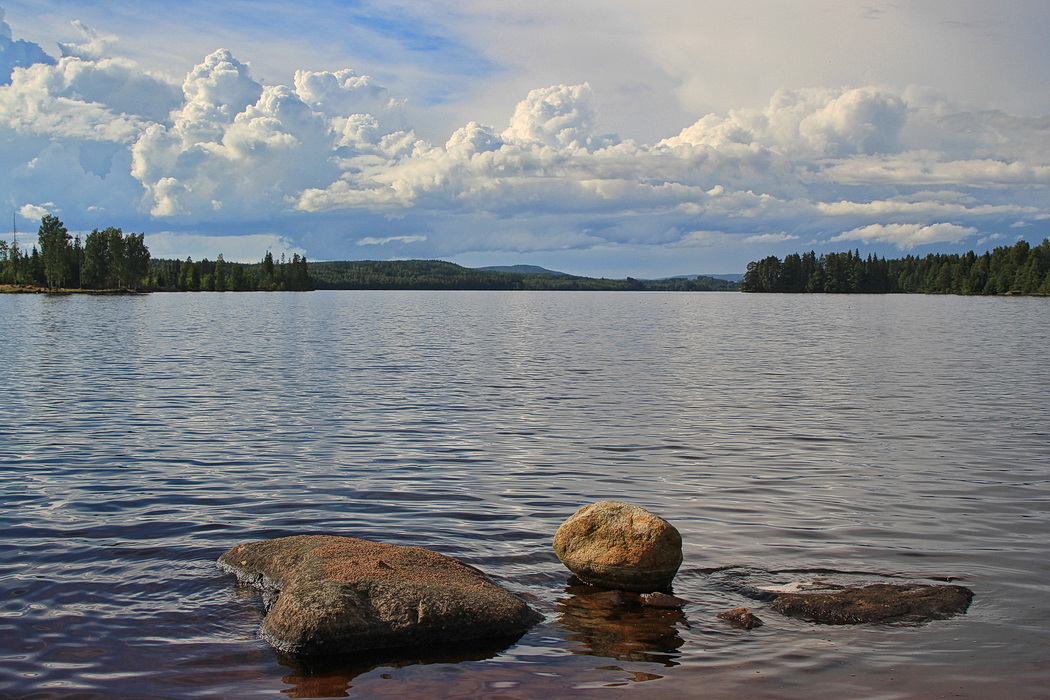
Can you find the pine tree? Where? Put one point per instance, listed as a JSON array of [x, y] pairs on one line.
[[55, 246]]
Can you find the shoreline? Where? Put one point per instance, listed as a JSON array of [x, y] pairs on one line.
[[33, 289]]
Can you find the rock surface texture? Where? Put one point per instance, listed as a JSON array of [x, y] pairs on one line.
[[620, 546], [329, 595], [878, 602], [741, 618]]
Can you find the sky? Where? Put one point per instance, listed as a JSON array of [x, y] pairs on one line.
[[605, 138]]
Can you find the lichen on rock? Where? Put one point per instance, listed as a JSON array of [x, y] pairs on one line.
[[618, 545], [330, 595]]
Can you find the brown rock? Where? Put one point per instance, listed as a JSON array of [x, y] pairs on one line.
[[876, 603], [742, 618], [662, 600], [327, 595], [614, 624], [621, 546]]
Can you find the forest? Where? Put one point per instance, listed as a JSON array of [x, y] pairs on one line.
[[270, 275], [1010, 270], [110, 260], [440, 275]]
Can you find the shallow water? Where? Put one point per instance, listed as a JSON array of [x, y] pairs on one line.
[[789, 438]]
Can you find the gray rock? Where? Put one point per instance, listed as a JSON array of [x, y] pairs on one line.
[[617, 545], [330, 595]]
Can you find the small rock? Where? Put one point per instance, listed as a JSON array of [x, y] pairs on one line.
[[329, 595], [878, 602], [620, 546], [663, 600], [742, 618]]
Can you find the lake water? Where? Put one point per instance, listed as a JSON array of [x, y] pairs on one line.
[[789, 438]]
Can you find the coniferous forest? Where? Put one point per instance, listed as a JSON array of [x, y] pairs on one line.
[[1017, 269], [111, 260]]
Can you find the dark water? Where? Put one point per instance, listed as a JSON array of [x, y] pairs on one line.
[[789, 438]]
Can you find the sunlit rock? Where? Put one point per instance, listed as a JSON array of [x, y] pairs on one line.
[[331, 595], [878, 602], [620, 546]]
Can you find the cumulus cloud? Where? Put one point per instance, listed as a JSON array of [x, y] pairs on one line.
[[333, 154], [907, 236], [96, 45], [810, 123], [556, 117], [35, 212]]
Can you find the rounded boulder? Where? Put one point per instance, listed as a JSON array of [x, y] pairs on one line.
[[620, 546]]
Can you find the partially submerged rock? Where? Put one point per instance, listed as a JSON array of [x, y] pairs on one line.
[[742, 618], [617, 545], [880, 602], [662, 600], [329, 595]]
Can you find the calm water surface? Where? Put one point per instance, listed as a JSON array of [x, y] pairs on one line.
[[789, 438]]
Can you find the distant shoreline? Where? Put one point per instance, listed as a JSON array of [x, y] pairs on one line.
[[34, 289]]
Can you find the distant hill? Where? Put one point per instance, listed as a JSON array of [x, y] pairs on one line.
[[520, 269], [731, 276], [437, 274]]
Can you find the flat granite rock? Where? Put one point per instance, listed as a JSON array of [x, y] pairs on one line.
[[331, 595], [880, 602]]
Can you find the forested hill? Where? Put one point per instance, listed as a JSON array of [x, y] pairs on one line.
[[440, 275], [1016, 269]]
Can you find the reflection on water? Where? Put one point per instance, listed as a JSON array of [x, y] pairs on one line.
[[333, 676], [615, 624]]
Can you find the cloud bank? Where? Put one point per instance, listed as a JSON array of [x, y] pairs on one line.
[[329, 164]]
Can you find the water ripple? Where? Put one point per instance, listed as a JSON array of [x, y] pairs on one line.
[[856, 439]]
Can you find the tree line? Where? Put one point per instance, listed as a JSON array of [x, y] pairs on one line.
[[441, 275], [106, 259], [112, 260], [1017, 269], [270, 275]]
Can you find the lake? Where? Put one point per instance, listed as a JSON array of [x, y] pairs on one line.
[[851, 439]]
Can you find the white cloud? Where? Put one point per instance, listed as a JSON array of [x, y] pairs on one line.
[[810, 123], [345, 93], [35, 212], [559, 117], [96, 46], [995, 237], [368, 240], [907, 236], [770, 238], [709, 238]]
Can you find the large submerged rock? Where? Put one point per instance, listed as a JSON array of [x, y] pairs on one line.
[[329, 595], [879, 602], [620, 546]]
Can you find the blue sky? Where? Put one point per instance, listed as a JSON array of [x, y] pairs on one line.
[[601, 138]]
